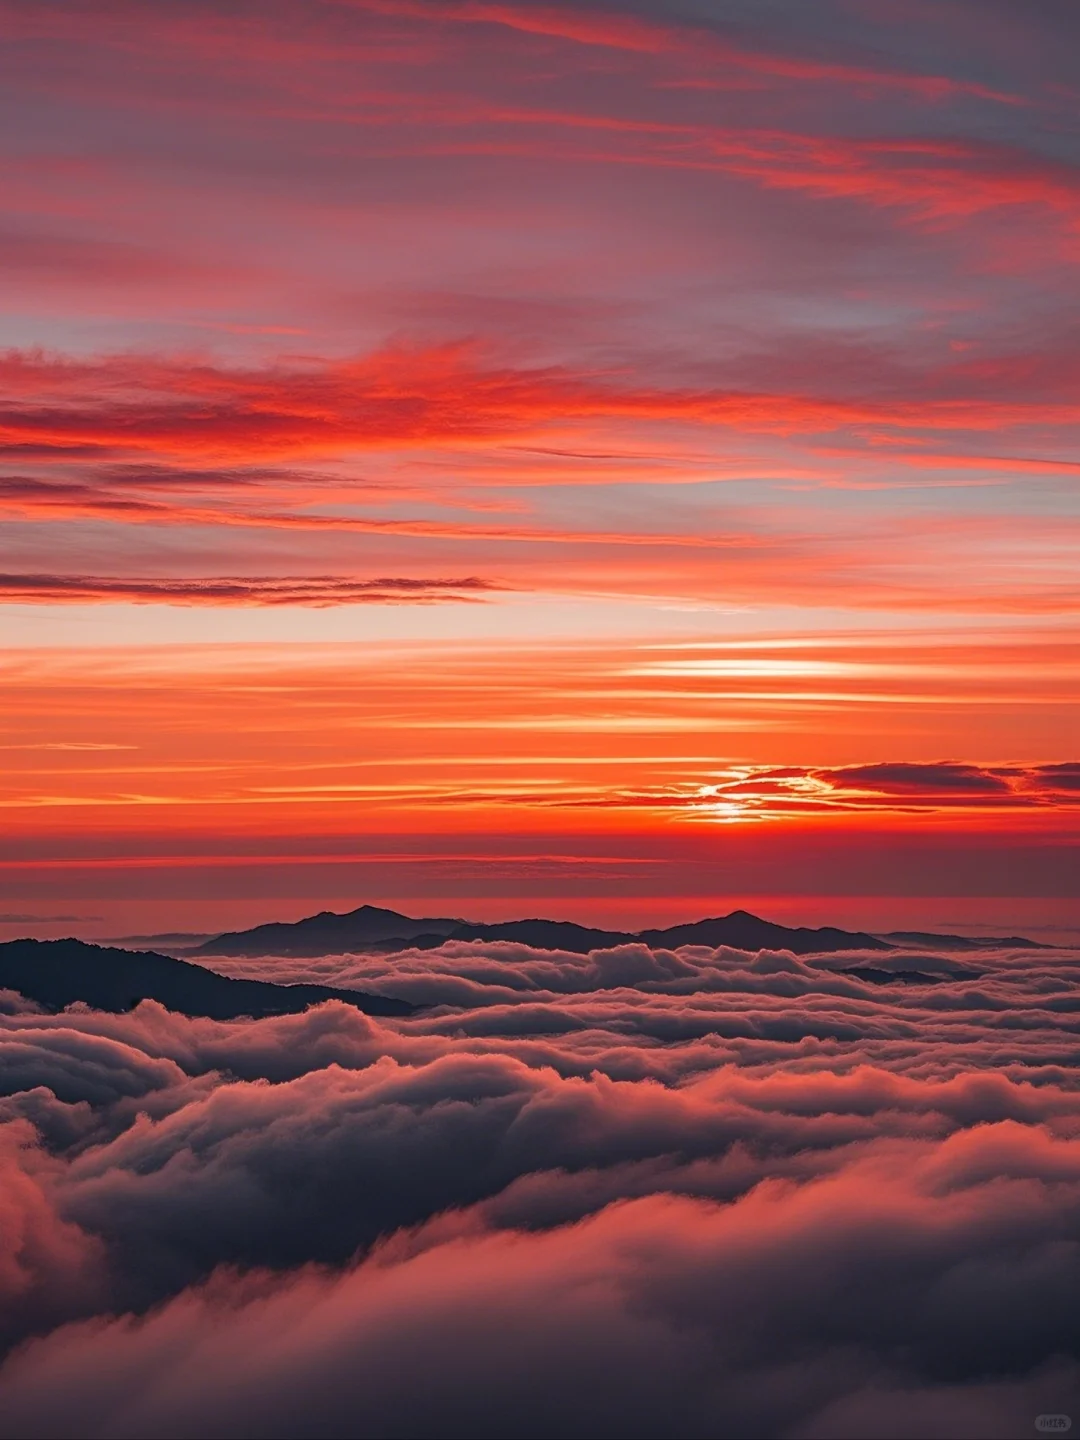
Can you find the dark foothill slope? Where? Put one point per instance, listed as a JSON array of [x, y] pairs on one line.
[[894, 977], [326, 934], [56, 973]]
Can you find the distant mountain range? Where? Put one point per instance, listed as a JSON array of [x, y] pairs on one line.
[[370, 928], [330, 934], [926, 940], [55, 973]]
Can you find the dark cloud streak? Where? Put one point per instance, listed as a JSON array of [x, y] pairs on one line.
[[314, 590]]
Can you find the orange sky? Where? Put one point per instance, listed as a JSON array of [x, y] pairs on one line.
[[598, 459]]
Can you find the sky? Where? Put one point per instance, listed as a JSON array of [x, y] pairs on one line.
[[608, 460]]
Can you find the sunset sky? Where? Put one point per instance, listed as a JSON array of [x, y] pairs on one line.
[[616, 461]]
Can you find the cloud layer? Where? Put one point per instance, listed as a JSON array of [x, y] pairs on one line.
[[631, 1193]]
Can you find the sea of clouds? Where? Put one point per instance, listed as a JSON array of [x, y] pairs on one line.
[[635, 1193]]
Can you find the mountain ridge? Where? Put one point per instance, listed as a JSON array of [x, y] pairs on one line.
[[371, 928], [369, 923], [57, 973]]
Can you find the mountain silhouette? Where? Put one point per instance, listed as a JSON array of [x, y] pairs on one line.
[[370, 928], [962, 942], [543, 935], [55, 973], [326, 934], [743, 931]]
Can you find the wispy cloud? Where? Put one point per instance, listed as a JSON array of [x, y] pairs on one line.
[[317, 590]]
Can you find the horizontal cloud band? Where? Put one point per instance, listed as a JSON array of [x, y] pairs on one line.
[[245, 590]]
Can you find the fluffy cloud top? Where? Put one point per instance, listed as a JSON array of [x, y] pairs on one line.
[[630, 1193]]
